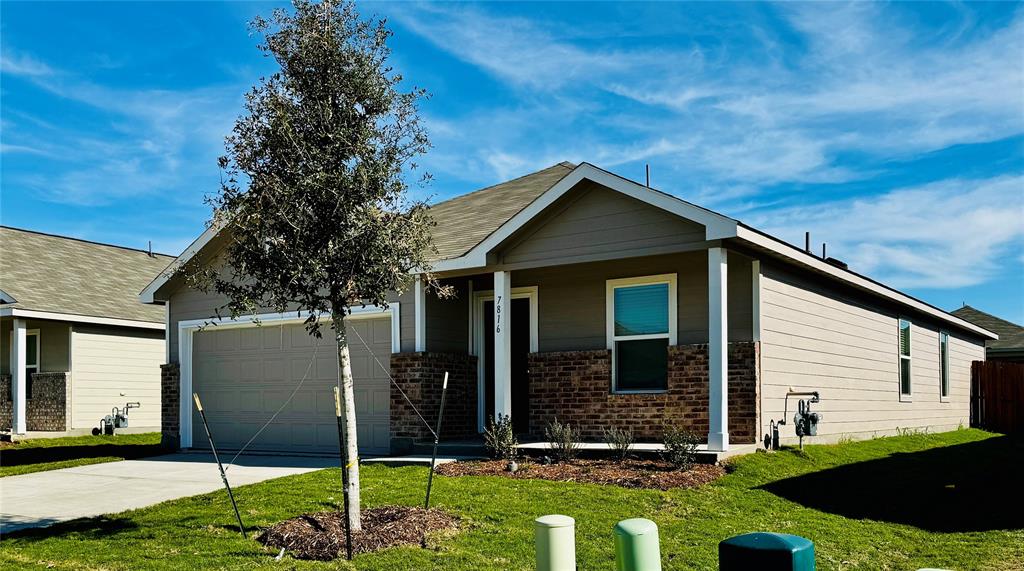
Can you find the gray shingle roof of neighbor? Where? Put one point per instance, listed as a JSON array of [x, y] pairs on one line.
[[43, 272], [465, 221], [1011, 335]]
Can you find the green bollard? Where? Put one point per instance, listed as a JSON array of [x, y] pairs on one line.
[[556, 543], [766, 552], [636, 545]]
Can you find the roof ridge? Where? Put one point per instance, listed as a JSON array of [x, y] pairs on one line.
[[84, 241], [996, 317], [565, 164]]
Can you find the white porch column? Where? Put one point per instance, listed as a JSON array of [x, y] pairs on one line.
[[421, 315], [502, 344], [718, 349], [18, 380]]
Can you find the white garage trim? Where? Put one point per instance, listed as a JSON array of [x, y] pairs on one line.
[[186, 329]]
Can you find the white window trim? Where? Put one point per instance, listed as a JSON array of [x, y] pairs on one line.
[[30, 333], [186, 330], [909, 396], [946, 383], [477, 339], [610, 287], [39, 345]]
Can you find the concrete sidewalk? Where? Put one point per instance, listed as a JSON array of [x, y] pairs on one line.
[[45, 498]]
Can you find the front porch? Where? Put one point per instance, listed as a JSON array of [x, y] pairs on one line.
[[644, 343]]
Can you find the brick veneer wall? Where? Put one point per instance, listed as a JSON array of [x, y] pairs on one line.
[[420, 375], [170, 391], [575, 387], [48, 408]]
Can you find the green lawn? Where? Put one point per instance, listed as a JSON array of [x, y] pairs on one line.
[[951, 500], [40, 454]]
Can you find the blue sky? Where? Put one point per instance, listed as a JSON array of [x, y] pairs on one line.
[[895, 132]]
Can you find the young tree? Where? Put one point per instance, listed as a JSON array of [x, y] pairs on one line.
[[313, 198]]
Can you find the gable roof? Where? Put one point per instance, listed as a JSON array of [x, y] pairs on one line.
[[1011, 335], [469, 227], [75, 279], [464, 221]]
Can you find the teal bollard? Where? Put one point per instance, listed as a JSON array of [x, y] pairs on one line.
[[636, 545], [555, 536], [766, 552]]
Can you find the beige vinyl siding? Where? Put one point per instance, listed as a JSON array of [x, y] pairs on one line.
[[113, 366], [571, 299], [447, 324], [53, 344], [407, 320], [186, 304], [594, 222], [815, 337]]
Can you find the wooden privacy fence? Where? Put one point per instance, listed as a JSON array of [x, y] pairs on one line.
[[997, 396]]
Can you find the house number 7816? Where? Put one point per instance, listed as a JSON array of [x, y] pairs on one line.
[[497, 314]]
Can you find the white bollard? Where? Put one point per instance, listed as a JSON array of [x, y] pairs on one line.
[[556, 543]]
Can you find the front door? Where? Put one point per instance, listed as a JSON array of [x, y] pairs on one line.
[[519, 328]]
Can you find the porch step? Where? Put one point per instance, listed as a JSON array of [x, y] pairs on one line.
[[537, 449]]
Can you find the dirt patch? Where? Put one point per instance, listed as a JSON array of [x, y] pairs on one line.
[[321, 536], [651, 474]]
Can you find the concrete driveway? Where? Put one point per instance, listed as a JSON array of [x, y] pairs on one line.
[[45, 498]]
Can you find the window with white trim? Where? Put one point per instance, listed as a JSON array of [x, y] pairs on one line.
[[943, 365], [31, 357], [641, 318], [904, 349]]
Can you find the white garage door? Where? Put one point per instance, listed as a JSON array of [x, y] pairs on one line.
[[244, 375]]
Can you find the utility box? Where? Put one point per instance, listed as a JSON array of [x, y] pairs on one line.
[[766, 552], [555, 537], [636, 545]]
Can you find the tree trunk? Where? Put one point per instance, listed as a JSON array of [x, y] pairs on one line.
[[348, 414]]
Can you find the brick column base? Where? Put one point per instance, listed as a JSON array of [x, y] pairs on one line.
[[420, 375], [170, 394], [48, 408]]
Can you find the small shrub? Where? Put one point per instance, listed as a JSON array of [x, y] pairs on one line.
[[680, 448], [563, 440], [500, 438], [620, 440]]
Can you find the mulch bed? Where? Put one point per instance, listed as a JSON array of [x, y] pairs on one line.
[[649, 474], [321, 536]]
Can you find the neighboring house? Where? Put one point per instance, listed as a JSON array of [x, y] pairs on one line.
[[1009, 346], [74, 340], [589, 298]]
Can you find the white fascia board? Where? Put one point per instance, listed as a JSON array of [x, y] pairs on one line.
[[147, 295], [858, 281], [717, 227], [6, 297], [295, 317], [53, 316]]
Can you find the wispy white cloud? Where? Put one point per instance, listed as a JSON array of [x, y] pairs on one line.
[[949, 234], [23, 65], [863, 80], [158, 140], [515, 49]]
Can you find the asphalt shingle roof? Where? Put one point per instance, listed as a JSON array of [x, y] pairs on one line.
[[465, 221], [1011, 335], [43, 272]]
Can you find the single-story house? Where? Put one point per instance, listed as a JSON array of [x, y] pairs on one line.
[[74, 340], [593, 299], [1010, 345]]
